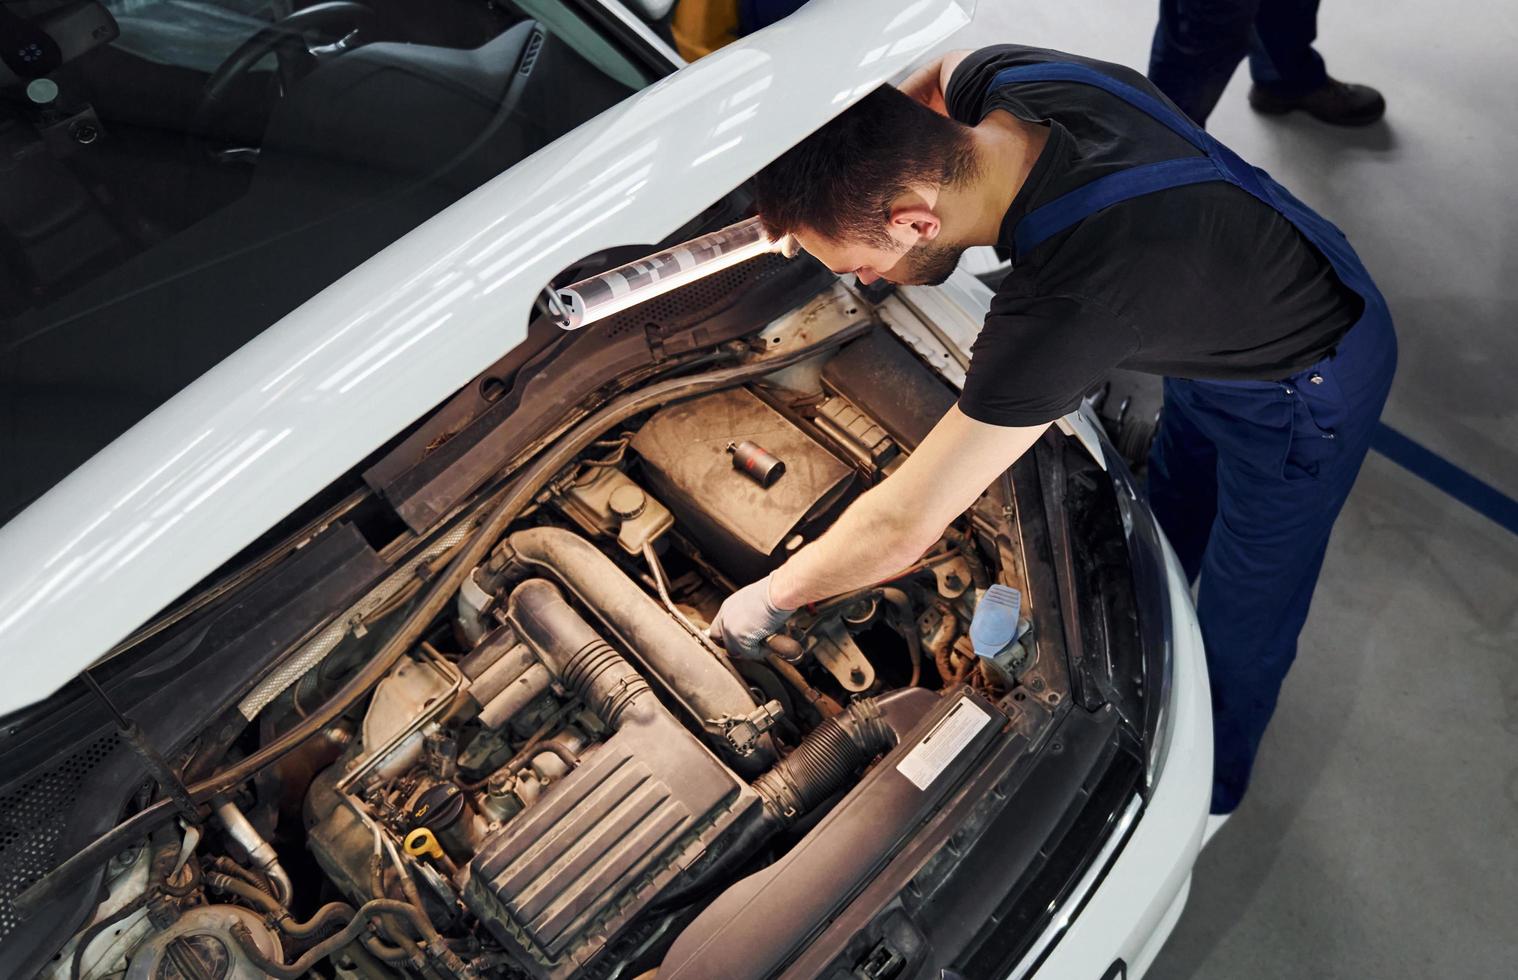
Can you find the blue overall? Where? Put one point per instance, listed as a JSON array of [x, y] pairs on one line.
[[1245, 477]]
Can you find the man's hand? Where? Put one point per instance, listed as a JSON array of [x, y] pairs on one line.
[[892, 524], [747, 619]]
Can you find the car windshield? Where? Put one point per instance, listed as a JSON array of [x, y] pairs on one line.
[[180, 174]]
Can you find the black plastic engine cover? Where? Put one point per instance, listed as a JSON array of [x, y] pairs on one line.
[[563, 878], [881, 375], [758, 924], [741, 524]]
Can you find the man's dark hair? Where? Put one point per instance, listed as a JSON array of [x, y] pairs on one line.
[[841, 180]]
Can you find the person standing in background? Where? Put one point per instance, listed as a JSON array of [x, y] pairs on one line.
[[1199, 43]]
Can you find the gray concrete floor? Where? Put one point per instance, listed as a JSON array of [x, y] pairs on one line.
[[1380, 839]]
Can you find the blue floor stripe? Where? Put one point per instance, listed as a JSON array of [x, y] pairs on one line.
[[1479, 496]]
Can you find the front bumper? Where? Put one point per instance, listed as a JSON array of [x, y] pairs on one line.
[[1126, 906]]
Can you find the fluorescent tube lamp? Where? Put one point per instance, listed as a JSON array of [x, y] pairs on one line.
[[637, 282]]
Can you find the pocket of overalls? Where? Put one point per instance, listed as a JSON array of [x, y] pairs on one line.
[[1317, 411], [1249, 422]]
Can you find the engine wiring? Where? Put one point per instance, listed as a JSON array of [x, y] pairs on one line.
[[489, 522], [545, 736]]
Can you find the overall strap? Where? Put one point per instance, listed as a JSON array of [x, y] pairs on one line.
[[1068, 209], [1218, 163], [1065, 71]]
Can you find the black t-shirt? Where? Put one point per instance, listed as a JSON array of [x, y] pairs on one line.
[[1203, 281]]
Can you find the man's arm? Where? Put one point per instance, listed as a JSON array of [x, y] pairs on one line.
[[884, 531], [929, 83], [893, 524]]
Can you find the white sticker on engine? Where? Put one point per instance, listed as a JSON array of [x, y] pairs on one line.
[[939, 747]]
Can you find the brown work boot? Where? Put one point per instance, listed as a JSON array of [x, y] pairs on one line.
[[1335, 102]]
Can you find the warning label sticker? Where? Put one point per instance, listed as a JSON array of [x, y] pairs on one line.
[[940, 746]]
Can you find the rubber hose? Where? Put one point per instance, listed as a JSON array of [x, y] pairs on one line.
[[821, 765], [561, 751], [180, 891], [494, 517], [576, 653], [384, 952], [907, 623], [226, 865], [436, 945], [229, 885], [319, 922], [89, 935], [328, 946], [387, 923], [825, 761], [824, 705], [288, 924]]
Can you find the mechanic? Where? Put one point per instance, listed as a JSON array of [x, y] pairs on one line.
[[1137, 241]]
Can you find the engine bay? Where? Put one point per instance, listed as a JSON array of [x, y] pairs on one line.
[[564, 776]]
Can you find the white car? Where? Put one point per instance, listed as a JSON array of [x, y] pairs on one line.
[[351, 610]]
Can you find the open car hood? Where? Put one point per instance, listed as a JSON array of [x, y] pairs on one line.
[[227, 458]]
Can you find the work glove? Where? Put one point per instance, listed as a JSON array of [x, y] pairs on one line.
[[747, 619]]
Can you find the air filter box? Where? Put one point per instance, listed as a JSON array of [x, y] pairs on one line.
[[565, 877], [741, 525]]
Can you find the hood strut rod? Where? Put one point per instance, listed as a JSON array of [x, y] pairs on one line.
[[158, 766]]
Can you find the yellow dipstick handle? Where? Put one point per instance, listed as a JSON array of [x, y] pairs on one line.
[[421, 843]]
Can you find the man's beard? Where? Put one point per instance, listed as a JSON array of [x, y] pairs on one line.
[[928, 264]]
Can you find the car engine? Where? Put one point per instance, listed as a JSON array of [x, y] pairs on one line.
[[565, 770]]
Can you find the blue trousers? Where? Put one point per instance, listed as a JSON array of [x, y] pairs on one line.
[[1246, 479], [1199, 43]]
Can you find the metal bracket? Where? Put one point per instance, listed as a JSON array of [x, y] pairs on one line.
[[834, 648], [953, 577]]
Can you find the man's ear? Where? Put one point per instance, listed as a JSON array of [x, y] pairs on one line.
[[912, 218]]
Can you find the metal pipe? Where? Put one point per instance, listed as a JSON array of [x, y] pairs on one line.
[[481, 529], [499, 675], [435, 708], [661, 585], [517, 695], [697, 678], [260, 851]]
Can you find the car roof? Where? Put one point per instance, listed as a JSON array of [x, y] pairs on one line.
[[227, 458]]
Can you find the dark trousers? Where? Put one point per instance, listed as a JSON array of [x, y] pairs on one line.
[[1247, 478], [1199, 43]]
